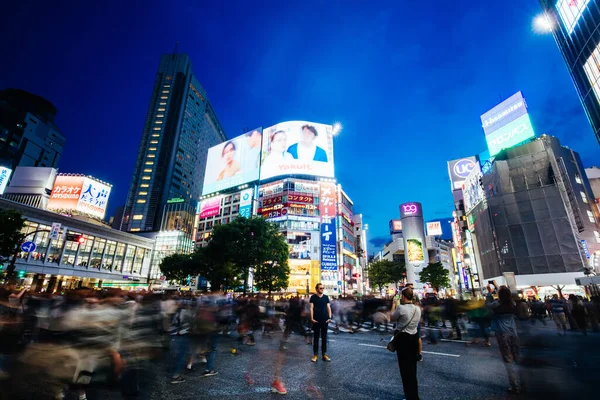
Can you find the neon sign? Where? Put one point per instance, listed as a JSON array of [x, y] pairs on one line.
[[409, 209]]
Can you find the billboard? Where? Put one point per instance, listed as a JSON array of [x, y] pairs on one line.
[[79, 193], [434, 228], [233, 163], [327, 208], [4, 177], [210, 207], [510, 135], [411, 210], [395, 226], [297, 147], [459, 169], [504, 113], [246, 203], [415, 250], [472, 191]]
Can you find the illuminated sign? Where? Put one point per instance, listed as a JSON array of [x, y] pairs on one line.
[[592, 71], [395, 226], [297, 147], [509, 110], [233, 163], [4, 177], [79, 193], [411, 210], [415, 250], [300, 198], [175, 200], [246, 203], [327, 208], [210, 207], [458, 170], [570, 11], [434, 228], [472, 191], [586, 250], [272, 200], [305, 206], [510, 135]]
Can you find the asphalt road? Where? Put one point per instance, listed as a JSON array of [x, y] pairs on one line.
[[361, 368]]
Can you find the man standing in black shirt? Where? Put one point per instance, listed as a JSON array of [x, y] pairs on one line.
[[320, 316]]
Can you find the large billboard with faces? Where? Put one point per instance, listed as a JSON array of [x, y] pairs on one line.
[[233, 163], [297, 147]]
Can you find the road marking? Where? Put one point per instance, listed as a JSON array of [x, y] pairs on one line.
[[426, 352], [453, 340]]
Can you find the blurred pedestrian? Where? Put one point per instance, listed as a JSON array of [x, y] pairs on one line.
[[579, 313], [503, 324], [407, 316], [558, 314]]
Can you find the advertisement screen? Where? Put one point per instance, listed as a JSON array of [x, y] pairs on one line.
[[4, 177], [415, 250], [246, 203], [210, 207], [434, 228], [458, 170], [504, 113], [472, 191], [509, 135], [395, 226], [79, 193], [233, 163], [297, 147], [94, 198], [328, 227], [411, 210]]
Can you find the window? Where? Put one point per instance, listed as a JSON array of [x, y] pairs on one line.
[[160, 115], [158, 122], [151, 156], [597, 236], [142, 193], [145, 178], [164, 97], [149, 162], [144, 185], [592, 70], [138, 217], [570, 11], [577, 178], [166, 85], [156, 135], [591, 216], [161, 109], [141, 201], [162, 103], [165, 91], [134, 230], [157, 128], [148, 170], [154, 142], [583, 197], [151, 148]]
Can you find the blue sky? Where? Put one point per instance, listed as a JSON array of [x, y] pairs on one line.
[[407, 79]]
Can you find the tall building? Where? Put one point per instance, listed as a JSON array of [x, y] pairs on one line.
[[531, 216], [180, 127], [28, 135], [575, 26]]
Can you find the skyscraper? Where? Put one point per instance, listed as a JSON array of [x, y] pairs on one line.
[[575, 26], [180, 127]]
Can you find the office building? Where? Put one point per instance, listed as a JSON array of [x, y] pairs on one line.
[[28, 135], [593, 175], [531, 216], [180, 127], [575, 25]]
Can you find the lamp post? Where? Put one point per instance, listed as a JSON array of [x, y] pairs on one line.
[[307, 283]]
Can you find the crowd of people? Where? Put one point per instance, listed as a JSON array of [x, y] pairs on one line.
[[74, 341]]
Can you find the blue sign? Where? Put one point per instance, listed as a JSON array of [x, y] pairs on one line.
[[28, 247], [585, 248], [328, 245]]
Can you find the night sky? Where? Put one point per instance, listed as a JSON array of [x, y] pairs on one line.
[[407, 79]]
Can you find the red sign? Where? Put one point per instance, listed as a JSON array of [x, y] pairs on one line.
[[272, 200]]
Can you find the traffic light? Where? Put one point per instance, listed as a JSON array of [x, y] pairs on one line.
[[75, 237]]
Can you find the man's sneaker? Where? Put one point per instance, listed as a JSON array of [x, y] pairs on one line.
[[210, 373], [178, 379], [203, 360], [314, 358], [326, 358], [419, 357], [277, 387]]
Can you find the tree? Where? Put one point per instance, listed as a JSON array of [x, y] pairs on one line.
[[273, 275], [11, 225], [379, 273], [177, 267], [245, 243], [397, 271], [212, 264], [436, 275]]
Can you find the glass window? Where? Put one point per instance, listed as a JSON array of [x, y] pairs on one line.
[[592, 70], [160, 115], [111, 248], [145, 178], [97, 250], [577, 178], [128, 264], [142, 193], [156, 135], [152, 149], [85, 249], [70, 252], [158, 122], [144, 185], [154, 142], [151, 156], [42, 240], [570, 11], [119, 256], [583, 197], [138, 217], [162, 103], [139, 260], [148, 170], [164, 98], [141, 201], [591, 216], [161, 109], [597, 236], [149, 162], [55, 249], [165, 91]]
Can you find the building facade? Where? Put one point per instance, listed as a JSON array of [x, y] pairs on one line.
[[575, 28], [28, 135], [180, 127], [535, 217]]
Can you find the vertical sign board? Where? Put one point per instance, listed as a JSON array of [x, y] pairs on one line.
[[327, 208], [4, 177], [55, 230], [246, 203]]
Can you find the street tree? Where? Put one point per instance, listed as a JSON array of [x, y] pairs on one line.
[[273, 275], [397, 271], [436, 275], [379, 273], [245, 243], [211, 263], [11, 225], [177, 267]]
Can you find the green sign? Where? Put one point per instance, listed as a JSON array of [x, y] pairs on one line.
[[175, 200], [510, 135]]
